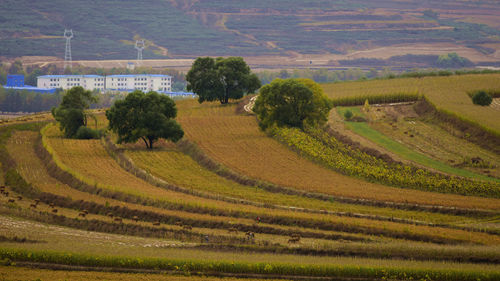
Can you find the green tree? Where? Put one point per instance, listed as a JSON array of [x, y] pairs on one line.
[[71, 113], [221, 79], [482, 98], [144, 116], [291, 102]]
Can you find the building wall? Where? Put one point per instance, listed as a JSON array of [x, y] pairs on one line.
[[143, 82]]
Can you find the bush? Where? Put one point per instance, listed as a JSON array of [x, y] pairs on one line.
[[348, 114], [482, 98], [85, 133]]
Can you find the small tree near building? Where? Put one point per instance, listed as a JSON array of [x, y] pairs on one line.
[[71, 113], [221, 79], [144, 116]]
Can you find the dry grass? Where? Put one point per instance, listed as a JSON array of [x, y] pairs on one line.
[[448, 93], [236, 141]]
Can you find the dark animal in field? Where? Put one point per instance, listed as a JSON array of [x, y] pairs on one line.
[[51, 205], [37, 201], [11, 200], [6, 193], [33, 205], [85, 212], [250, 235], [82, 214], [19, 197], [109, 215], [294, 239], [135, 218], [178, 223], [54, 211], [117, 219], [187, 227]]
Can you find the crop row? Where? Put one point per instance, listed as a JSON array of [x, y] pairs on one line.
[[281, 217], [320, 146], [376, 99], [214, 267], [232, 139]]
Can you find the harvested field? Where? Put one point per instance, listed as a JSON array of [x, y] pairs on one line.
[[233, 139]]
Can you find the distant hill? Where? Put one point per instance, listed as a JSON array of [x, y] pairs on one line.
[[107, 29]]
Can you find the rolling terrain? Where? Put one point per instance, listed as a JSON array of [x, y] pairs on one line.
[[293, 33], [232, 201]]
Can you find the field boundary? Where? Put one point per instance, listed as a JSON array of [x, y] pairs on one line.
[[478, 134]]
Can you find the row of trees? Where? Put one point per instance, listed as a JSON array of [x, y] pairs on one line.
[[139, 116], [284, 102]]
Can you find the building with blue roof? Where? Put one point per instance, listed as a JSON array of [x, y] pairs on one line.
[[88, 82], [16, 82], [119, 83], [143, 82]]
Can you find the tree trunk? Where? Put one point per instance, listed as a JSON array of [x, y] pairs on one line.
[[151, 143], [145, 141]]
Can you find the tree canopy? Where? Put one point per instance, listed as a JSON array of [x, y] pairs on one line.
[[482, 98], [144, 116], [292, 102], [221, 79], [71, 113]]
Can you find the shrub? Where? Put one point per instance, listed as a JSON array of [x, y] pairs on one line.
[[482, 98], [85, 133], [348, 114]]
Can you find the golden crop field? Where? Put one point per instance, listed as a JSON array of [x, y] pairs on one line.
[[173, 166], [94, 151], [236, 141], [447, 93]]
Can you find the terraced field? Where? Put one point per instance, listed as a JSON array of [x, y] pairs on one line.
[[447, 93], [227, 201], [233, 139]]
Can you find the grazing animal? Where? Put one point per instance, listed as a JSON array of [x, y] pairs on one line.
[[11, 200], [156, 223], [85, 212], [82, 214], [117, 219], [6, 193], [33, 205], [187, 227], [232, 229], [37, 201], [51, 205], [178, 223], [135, 218], [19, 197], [109, 215], [54, 211], [294, 240], [250, 235]]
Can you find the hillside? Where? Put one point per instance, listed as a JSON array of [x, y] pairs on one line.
[[230, 200], [331, 30]]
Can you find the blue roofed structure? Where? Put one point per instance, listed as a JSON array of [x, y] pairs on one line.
[[16, 82]]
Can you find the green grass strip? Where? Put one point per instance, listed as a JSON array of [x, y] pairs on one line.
[[214, 267], [364, 130]]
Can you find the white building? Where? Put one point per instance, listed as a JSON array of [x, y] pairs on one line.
[[143, 82], [88, 82], [122, 83]]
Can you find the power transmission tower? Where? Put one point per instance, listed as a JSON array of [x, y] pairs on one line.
[[68, 34], [139, 45]]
